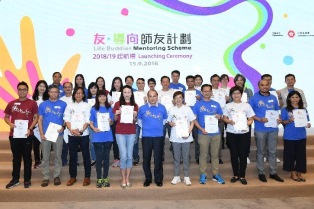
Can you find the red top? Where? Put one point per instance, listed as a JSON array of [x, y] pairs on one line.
[[22, 110], [124, 128]]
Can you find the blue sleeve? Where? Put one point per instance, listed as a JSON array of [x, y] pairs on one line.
[[111, 115], [41, 109], [219, 110], [92, 115], [276, 103], [165, 115], [284, 115]]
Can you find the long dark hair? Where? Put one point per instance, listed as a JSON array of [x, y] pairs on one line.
[[112, 85], [289, 107], [104, 87], [97, 105], [36, 93], [122, 100], [91, 85], [74, 92], [83, 84]]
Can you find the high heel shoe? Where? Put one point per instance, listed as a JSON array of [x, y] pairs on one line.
[[296, 179], [301, 179]]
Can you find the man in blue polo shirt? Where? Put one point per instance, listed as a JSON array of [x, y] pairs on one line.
[[151, 118], [51, 111], [56, 80], [201, 109], [175, 85], [266, 137]]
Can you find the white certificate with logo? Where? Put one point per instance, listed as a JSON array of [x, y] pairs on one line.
[[66, 135], [36, 133], [91, 101], [126, 114], [103, 121], [244, 97], [272, 116], [52, 132], [300, 118], [167, 101], [211, 124], [139, 98], [182, 128], [240, 122], [115, 96], [20, 130], [77, 121], [190, 97], [220, 97]]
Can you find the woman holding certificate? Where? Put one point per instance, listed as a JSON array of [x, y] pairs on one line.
[[181, 119], [238, 116], [125, 114], [76, 117], [295, 119], [100, 120]]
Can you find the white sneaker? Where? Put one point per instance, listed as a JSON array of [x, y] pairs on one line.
[[187, 181], [175, 180], [248, 160], [265, 159], [278, 161]]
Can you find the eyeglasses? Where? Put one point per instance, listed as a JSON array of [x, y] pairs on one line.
[[22, 90]]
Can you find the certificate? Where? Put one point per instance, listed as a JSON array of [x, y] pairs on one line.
[[77, 121], [126, 114], [139, 98], [20, 130], [115, 96], [220, 97], [91, 102], [36, 133], [103, 121], [182, 128], [190, 97], [52, 132], [167, 101], [244, 97], [240, 122], [66, 135], [272, 116], [211, 124], [275, 94], [300, 118]]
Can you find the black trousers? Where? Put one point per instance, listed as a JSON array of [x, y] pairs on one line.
[[238, 146], [22, 148], [149, 144], [294, 155]]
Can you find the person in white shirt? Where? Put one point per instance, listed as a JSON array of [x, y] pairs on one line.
[[181, 119], [76, 117]]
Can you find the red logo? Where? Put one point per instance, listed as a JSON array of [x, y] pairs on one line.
[[291, 33]]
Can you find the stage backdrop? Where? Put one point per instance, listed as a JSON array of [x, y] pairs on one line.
[[150, 38]]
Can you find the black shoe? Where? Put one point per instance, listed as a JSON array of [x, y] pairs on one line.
[[12, 184], [276, 177], [136, 162], [27, 184], [93, 164], [44, 183], [159, 184], [147, 183], [234, 179], [198, 162], [262, 177], [220, 161], [243, 181], [57, 181]]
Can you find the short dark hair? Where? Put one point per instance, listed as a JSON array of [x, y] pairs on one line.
[[22, 83], [266, 75], [140, 79], [53, 87], [189, 77], [224, 76], [178, 93], [213, 76], [206, 85], [129, 76], [288, 75], [236, 88], [74, 92], [67, 82], [164, 77], [56, 73], [175, 71], [151, 80]]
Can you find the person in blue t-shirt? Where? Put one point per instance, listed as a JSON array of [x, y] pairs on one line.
[[294, 152], [151, 118], [102, 137], [56, 80], [203, 110], [175, 85], [51, 112], [266, 137]]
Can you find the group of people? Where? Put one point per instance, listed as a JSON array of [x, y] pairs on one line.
[[68, 118]]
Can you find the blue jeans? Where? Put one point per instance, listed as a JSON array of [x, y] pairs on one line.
[[266, 143], [102, 150], [136, 156], [125, 143], [91, 146]]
